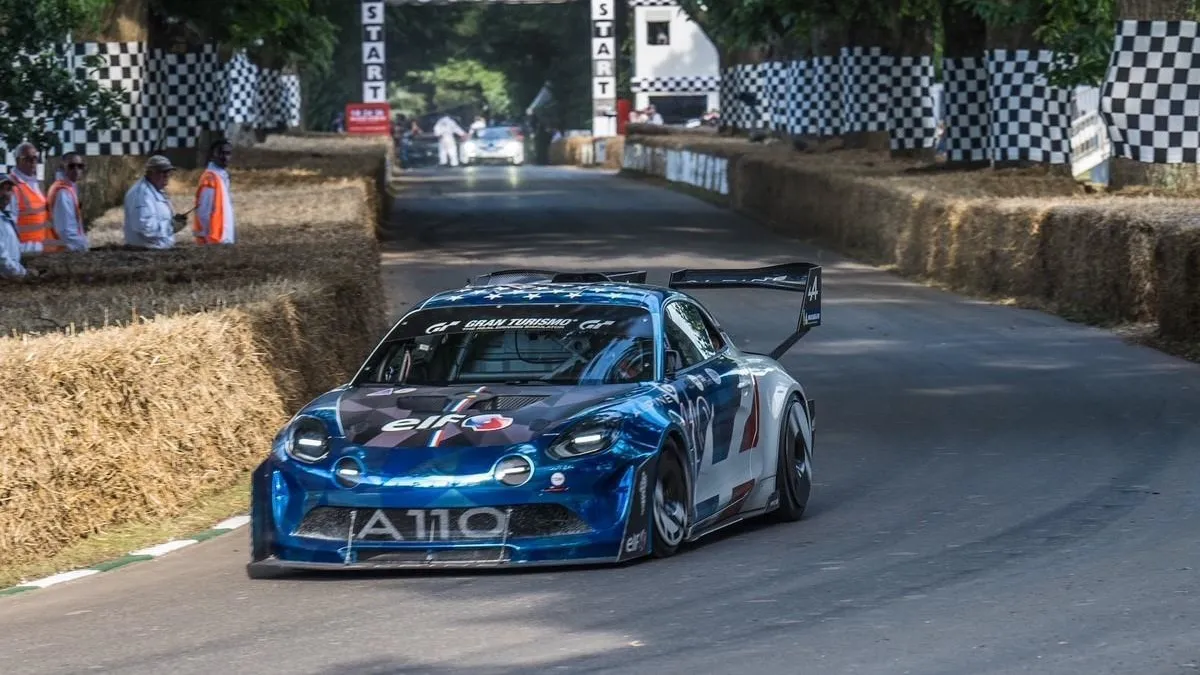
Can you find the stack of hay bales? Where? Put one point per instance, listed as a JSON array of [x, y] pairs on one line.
[[136, 383]]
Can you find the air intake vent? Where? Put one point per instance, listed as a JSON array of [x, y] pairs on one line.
[[422, 403], [500, 403]]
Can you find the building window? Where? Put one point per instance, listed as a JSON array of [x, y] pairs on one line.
[[658, 32]]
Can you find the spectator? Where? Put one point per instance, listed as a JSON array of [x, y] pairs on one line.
[[652, 116], [478, 125], [446, 129], [214, 222], [150, 220], [10, 247], [66, 231], [28, 202]]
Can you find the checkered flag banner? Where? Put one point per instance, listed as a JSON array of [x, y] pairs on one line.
[[1030, 120], [1150, 100], [967, 125], [866, 80]]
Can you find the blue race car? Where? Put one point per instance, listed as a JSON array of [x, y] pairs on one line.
[[536, 417]]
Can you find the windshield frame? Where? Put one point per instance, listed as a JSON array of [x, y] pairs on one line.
[[364, 376]]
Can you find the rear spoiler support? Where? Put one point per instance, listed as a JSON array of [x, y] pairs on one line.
[[797, 277]]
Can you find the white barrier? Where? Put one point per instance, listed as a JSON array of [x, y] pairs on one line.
[[707, 172]]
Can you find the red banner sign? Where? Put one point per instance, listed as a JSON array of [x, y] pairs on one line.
[[369, 118]]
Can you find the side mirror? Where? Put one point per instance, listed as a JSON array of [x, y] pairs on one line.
[[674, 362]]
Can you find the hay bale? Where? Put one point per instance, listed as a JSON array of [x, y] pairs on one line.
[[207, 351]]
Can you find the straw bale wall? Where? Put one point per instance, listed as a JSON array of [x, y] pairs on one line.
[[1023, 234], [137, 383]]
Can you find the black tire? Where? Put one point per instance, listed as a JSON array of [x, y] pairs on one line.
[[793, 477], [669, 503]]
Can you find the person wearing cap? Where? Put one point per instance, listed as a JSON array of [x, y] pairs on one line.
[[28, 202], [214, 222], [10, 246], [66, 231], [150, 220]]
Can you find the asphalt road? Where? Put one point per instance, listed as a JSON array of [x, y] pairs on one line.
[[998, 491]]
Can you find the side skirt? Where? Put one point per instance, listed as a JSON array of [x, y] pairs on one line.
[[734, 520]]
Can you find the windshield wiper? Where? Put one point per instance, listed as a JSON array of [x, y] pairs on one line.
[[541, 382]]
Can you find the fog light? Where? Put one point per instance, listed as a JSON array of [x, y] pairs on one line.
[[347, 473], [513, 471]]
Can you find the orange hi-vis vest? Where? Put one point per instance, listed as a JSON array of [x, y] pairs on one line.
[[32, 217], [52, 243], [216, 223]]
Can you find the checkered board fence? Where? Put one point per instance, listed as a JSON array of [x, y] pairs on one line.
[[998, 105], [1150, 100], [862, 89], [173, 96]]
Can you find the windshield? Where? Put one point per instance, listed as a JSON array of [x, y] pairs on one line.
[[495, 134], [518, 344]]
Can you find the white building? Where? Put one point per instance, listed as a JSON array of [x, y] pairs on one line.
[[676, 68]]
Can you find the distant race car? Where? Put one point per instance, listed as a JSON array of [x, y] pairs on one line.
[[536, 417], [495, 144]]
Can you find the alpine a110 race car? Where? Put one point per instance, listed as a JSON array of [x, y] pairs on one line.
[[543, 418]]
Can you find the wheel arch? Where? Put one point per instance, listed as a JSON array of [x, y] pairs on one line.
[[673, 436]]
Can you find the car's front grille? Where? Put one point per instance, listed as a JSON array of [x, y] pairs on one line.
[[461, 556], [440, 525]]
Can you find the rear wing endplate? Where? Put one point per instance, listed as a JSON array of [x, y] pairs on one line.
[[797, 277]]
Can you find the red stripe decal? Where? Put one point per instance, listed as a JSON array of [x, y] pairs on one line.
[[750, 433]]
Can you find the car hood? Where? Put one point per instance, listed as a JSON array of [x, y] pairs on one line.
[[471, 416]]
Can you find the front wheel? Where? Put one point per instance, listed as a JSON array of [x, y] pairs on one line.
[[670, 504], [793, 478]]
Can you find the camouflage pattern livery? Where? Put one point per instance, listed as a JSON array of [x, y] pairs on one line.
[[419, 473]]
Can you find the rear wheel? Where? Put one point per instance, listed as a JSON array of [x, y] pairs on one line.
[[793, 478], [670, 503]]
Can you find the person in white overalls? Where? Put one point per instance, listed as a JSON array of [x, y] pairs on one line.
[[446, 130]]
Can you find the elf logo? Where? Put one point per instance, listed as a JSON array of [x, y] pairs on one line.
[[475, 423]]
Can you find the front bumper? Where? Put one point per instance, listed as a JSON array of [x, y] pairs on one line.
[[300, 523]]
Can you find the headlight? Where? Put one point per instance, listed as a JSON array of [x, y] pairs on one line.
[[587, 438], [308, 440], [514, 147], [469, 146]]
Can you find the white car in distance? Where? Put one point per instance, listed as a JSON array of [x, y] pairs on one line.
[[495, 144]]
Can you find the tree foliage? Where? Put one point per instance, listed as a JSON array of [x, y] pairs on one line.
[[1080, 32], [275, 32], [466, 83], [39, 91]]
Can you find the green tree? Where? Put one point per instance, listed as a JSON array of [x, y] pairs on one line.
[[276, 33], [467, 83], [39, 92]]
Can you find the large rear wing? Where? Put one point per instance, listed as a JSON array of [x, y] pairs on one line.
[[797, 277]]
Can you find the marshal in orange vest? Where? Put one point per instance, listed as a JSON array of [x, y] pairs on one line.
[[32, 217], [52, 244], [216, 229]]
